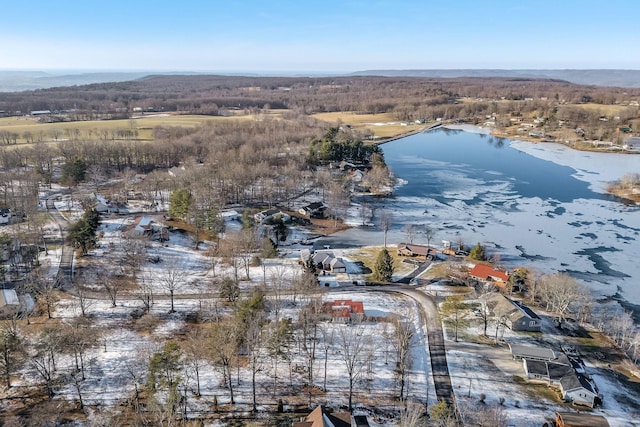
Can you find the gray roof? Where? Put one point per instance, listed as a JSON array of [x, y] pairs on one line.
[[520, 351], [574, 381], [501, 305]]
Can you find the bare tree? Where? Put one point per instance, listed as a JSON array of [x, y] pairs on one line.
[[134, 249], [385, 221], [402, 342], [172, 280], [454, 308], [561, 294], [327, 342], [224, 349], [410, 231], [111, 285], [353, 342], [429, 234]]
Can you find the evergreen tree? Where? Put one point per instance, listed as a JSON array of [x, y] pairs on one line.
[[73, 172], [383, 268], [179, 203], [478, 253]]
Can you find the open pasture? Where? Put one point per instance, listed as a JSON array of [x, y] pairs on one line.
[[140, 128], [383, 125]]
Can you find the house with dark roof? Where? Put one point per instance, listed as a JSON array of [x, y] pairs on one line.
[[519, 351], [324, 260], [517, 316], [146, 226], [411, 250], [567, 372], [313, 210], [580, 390]]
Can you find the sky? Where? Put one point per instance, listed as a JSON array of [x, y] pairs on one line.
[[318, 36]]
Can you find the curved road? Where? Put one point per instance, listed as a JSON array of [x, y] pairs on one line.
[[435, 337]]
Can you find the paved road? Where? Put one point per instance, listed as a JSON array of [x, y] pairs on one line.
[[65, 269], [415, 273]]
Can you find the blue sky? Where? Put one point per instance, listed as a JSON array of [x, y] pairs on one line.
[[318, 36]]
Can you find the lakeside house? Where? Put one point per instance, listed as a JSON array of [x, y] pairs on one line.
[[566, 372], [516, 315], [490, 275], [411, 250]]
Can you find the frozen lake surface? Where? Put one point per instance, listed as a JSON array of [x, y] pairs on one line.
[[539, 205]]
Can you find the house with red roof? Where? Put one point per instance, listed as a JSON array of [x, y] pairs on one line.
[[344, 310], [486, 273]]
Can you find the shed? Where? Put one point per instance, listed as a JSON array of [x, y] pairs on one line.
[[9, 303], [577, 419]]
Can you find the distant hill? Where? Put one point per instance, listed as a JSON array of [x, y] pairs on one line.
[[15, 81], [619, 78]]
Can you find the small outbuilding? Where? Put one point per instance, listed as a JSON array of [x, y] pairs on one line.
[[580, 419]]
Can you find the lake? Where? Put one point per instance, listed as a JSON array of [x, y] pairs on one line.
[[536, 205]]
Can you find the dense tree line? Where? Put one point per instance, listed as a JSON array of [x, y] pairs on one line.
[[214, 94]]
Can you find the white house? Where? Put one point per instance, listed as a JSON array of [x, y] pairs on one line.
[[271, 215]]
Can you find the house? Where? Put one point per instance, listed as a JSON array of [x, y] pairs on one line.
[[578, 419], [146, 226], [324, 260], [517, 316], [337, 266], [410, 250], [313, 210], [565, 372], [320, 417], [271, 215], [5, 215], [487, 273], [344, 310], [580, 390], [9, 303]]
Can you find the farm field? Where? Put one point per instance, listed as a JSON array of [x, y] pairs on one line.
[[107, 129], [383, 125]]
